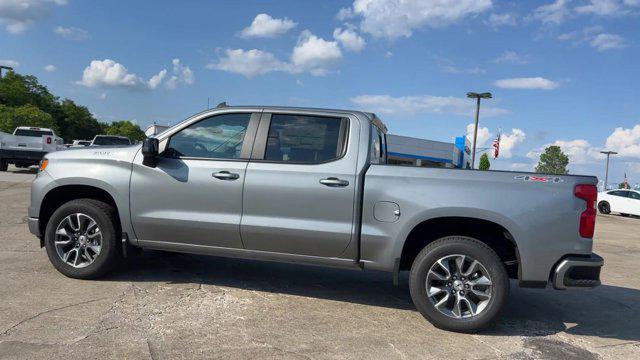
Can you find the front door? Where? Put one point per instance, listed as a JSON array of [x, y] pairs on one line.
[[300, 186], [194, 194]]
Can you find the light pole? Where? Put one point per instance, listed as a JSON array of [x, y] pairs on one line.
[[606, 174], [472, 95], [4, 67]]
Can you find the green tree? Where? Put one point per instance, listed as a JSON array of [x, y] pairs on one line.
[[26, 115], [484, 162], [126, 128], [77, 122], [553, 161], [622, 185]]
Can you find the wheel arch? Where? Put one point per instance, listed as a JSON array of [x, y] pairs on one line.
[[60, 195], [495, 235]]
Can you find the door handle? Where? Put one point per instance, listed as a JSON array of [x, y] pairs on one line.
[[334, 182], [225, 175]]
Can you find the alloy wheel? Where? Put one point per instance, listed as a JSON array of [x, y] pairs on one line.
[[78, 240], [459, 286]]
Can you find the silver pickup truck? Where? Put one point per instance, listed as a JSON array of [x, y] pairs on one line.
[[313, 186]]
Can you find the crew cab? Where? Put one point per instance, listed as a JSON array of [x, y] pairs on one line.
[[313, 186], [27, 146]]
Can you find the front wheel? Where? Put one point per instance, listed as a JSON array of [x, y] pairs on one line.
[[81, 239], [459, 284], [604, 207]]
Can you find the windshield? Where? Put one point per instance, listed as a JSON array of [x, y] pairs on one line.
[[32, 132], [111, 140]]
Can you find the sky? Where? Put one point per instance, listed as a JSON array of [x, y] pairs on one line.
[[561, 72]]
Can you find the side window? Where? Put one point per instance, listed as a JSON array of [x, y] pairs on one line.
[[378, 150], [217, 137], [305, 139], [618, 193], [634, 195]]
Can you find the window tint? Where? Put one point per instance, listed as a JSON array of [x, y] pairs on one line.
[[377, 146], [619, 193], [634, 195], [32, 133], [218, 137], [305, 139], [111, 140]]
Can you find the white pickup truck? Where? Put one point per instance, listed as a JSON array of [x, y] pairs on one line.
[[27, 146]]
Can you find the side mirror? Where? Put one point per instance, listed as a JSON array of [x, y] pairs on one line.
[[150, 152]]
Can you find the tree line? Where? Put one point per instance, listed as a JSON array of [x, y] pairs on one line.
[[26, 102]]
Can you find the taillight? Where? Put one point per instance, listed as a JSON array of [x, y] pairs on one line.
[[49, 141], [588, 193]]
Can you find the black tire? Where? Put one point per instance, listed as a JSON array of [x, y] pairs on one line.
[[459, 245], [624, 215], [110, 254], [4, 165], [604, 207]]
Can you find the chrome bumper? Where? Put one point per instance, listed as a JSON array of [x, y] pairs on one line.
[[34, 226], [578, 272]]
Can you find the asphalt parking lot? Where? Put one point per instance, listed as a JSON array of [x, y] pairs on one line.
[[167, 306]]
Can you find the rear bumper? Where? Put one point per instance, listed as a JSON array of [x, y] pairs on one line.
[[26, 155], [34, 226], [578, 272]]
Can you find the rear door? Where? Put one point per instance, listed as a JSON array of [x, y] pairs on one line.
[[194, 195], [634, 203], [300, 185]]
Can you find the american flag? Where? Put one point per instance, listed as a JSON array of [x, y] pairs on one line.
[[496, 146]]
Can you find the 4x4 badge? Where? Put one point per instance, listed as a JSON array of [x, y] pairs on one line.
[[544, 179]]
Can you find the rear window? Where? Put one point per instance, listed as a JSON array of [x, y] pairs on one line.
[[33, 133], [305, 139], [108, 140]]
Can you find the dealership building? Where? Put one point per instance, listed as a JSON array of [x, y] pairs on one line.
[[404, 150]]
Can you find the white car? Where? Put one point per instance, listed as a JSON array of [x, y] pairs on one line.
[[625, 202]]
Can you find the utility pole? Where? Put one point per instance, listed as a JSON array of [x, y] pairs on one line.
[[606, 174], [9, 68], [472, 95]]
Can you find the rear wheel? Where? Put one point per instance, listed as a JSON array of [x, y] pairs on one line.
[[81, 239], [3, 165], [459, 284], [604, 207]]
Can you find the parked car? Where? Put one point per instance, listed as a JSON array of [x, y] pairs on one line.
[[625, 202], [81, 143], [27, 146], [313, 186], [110, 140]]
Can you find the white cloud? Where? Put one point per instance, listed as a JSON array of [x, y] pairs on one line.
[[482, 137], [265, 26], [181, 74], [10, 63], [155, 80], [50, 68], [344, 14], [18, 15], [396, 18], [603, 42], [625, 141], [510, 141], [249, 63], [527, 83], [498, 20], [388, 54], [108, 73], [423, 104], [511, 57], [72, 33], [553, 13], [518, 166], [579, 151], [604, 7], [314, 54], [349, 39]]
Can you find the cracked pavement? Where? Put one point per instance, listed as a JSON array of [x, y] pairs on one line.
[[167, 306]]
